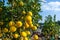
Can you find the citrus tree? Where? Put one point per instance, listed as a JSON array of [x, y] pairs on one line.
[[18, 18], [50, 26]]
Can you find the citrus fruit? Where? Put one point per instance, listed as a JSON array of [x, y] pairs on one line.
[[1, 35], [28, 18], [1, 23], [15, 35], [0, 9], [23, 12], [18, 23], [5, 30], [23, 34], [13, 29], [34, 28], [29, 13], [25, 38], [35, 36], [28, 32], [21, 3], [11, 23], [26, 25]]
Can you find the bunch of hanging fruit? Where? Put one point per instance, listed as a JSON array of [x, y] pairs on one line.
[[19, 18]]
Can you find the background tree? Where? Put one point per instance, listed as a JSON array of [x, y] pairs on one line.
[[50, 26]]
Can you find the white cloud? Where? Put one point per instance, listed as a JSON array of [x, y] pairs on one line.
[[54, 6], [44, 0]]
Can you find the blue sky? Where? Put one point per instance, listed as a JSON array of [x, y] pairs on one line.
[[50, 7]]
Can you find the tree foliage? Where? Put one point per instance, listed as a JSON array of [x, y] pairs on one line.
[[17, 17], [50, 26]]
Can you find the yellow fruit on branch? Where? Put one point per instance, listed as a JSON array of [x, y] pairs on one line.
[[21, 3], [1, 23], [37, 25], [5, 30], [11, 23], [26, 25], [23, 12], [35, 5], [23, 34], [21, 38], [30, 22], [25, 38], [13, 29], [29, 13], [22, 17], [18, 23], [31, 25], [35, 37], [15, 35], [0, 9], [6, 38], [28, 18], [34, 28], [28, 32], [1, 34], [14, 4]]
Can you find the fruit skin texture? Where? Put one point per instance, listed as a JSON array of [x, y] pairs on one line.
[[15, 35], [5, 30], [21, 3], [29, 13], [18, 23], [28, 18], [35, 37], [11, 23], [23, 34], [13, 29]]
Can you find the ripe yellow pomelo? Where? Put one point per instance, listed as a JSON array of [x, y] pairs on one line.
[[15, 35], [34, 28], [28, 18], [5, 30], [21, 3], [18, 23], [23, 34], [28, 32], [36, 37], [1, 23], [26, 25], [0, 9], [29, 13], [13, 29], [1, 34], [25, 38], [23, 12], [11, 23]]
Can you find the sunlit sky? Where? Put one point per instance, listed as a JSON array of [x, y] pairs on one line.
[[50, 7]]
